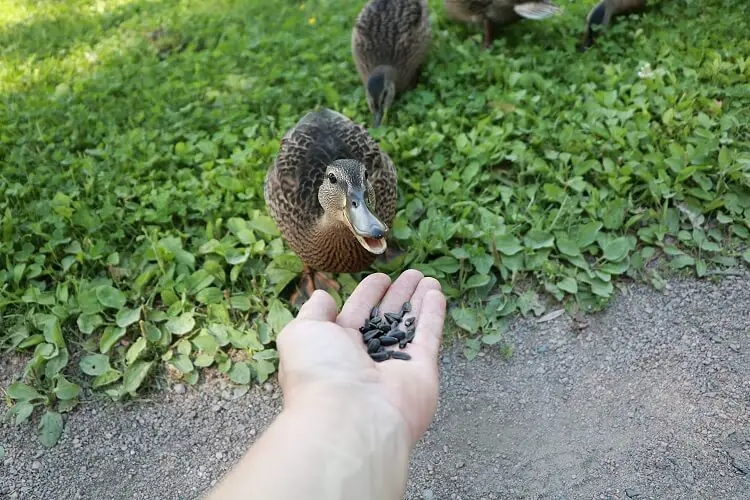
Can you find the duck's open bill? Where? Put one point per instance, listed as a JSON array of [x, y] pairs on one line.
[[368, 229]]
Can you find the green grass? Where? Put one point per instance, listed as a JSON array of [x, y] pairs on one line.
[[133, 230]]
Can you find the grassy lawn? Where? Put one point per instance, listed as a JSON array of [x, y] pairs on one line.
[[135, 136]]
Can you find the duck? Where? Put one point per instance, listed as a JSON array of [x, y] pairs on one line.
[[603, 13], [494, 13], [390, 41], [332, 193]]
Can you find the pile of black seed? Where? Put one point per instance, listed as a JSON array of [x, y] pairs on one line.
[[380, 332]]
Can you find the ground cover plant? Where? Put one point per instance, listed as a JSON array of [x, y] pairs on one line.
[[135, 136]]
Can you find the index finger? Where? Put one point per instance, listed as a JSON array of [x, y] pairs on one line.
[[366, 296]]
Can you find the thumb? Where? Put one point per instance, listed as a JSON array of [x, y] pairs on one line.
[[319, 307]]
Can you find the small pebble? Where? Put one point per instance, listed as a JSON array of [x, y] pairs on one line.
[[219, 455], [179, 388], [268, 387], [35, 465]]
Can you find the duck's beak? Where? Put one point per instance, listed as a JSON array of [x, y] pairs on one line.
[[378, 118], [367, 228]]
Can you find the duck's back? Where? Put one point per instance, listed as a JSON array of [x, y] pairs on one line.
[[394, 33], [497, 11]]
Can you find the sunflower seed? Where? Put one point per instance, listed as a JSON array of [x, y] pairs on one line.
[[387, 340], [373, 346], [385, 327], [409, 321], [371, 335], [397, 334], [380, 356], [405, 308], [376, 321], [367, 328], [374, 312], [402, 344], [410, 334], [393, 317], [400, 355]]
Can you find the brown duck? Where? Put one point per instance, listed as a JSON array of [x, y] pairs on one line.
[[494, 13], [603, 13], [389, 43], [332, 193]]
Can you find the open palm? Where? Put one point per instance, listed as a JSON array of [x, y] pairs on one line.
[[323, 351]]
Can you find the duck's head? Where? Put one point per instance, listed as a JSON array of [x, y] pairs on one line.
[[594, 21], [381, 89], [346, 195]]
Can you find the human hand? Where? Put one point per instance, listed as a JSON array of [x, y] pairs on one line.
[[323, 355]]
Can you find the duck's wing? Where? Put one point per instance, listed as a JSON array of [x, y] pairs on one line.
[[536, 10]]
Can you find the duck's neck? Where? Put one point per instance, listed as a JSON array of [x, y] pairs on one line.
[[332, 247], [388, 72]]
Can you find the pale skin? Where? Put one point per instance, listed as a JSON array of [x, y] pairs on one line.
[[349, 424]]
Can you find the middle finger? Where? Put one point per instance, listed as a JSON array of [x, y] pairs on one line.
[[401, 291]]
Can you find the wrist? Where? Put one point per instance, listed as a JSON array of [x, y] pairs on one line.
[[348, 405], [363, 442]]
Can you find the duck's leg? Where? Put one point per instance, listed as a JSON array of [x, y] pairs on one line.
[[325, 282], [305, 288], [488, 34], [310, 281]]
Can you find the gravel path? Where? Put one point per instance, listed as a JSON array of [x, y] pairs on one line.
[[651, 400]]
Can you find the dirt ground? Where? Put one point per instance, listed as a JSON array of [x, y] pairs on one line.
[[651, 400]]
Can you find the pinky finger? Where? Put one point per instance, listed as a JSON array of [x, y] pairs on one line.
[[430, 322]]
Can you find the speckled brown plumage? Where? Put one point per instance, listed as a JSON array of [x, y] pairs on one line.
[[497, 11], [393, 33], [624, 6], [291, 190]]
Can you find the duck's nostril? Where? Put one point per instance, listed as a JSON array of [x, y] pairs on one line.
[[377, 234], [355, 204]]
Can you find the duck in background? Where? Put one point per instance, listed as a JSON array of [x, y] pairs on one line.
[[497, 13], [390, 40], [602, 14]]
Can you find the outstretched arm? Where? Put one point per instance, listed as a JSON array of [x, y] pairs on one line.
[[348, 424]]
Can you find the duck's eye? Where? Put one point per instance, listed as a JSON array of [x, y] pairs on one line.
[[332, 178]]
